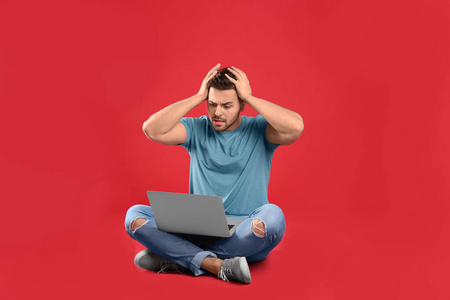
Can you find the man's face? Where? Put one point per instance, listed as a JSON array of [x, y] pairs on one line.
[[223, 109]]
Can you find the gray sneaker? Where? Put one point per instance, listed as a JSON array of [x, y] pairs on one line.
[[235, 268], [150, 261]]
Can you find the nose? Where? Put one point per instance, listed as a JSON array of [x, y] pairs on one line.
[[218, 111]]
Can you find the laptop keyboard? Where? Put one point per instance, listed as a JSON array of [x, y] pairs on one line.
[[230, 226]]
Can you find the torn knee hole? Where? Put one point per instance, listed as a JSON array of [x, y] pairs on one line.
[[258, 227], [136, 224]]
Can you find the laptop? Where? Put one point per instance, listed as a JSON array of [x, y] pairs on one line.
[[192, 214]]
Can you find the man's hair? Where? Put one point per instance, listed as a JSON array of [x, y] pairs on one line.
[[221, 82]]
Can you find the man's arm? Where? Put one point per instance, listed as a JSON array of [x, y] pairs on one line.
[[164, 126], [285, 126]]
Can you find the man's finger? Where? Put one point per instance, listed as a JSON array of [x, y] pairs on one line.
[[211, 76], [234, 72], [231, 78], [237, 70], [240, 72], [239, 75], [216, 67]]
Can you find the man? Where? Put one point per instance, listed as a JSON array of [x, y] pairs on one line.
[[230, 157]]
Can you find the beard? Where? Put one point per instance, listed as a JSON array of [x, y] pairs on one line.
[[223, 124]]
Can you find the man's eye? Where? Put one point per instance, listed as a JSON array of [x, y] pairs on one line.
[[227, 106]]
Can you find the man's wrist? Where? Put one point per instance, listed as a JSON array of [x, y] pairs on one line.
[[249, 99], [198, 99]]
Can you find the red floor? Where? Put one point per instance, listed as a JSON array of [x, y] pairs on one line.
[[318, 259]]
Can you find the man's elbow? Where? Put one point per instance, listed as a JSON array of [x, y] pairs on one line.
[[147, 128], [292, 136], [298, 129]]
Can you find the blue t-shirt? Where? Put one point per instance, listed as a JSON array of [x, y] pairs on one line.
[[234, 165]]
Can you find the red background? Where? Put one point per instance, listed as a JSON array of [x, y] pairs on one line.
[[365, 189]]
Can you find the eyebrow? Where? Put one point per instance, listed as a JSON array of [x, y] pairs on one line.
[[226, 103]]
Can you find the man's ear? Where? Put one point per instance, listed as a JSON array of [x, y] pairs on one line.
[[242, 104]]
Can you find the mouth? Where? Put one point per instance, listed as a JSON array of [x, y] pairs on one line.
[[218, 121]]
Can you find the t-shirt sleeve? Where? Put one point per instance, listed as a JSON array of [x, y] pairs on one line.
[[189, 125], [262, 124]]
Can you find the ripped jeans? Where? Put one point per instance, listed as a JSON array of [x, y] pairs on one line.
[[189, 251]]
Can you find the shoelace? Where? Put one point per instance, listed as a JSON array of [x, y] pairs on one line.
[[167, 265], [224, 272]]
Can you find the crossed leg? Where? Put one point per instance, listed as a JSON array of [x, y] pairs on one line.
[[254, 239]]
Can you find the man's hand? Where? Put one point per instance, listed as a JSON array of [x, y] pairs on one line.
[[203, 92], [241, 82], [285, 125]]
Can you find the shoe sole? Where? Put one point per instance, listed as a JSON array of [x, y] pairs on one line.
[[244, 267]]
